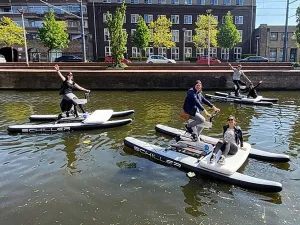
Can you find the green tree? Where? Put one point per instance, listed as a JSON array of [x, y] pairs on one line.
[[162, 36], [141, 36], [10, 34], [118, 36], [297, 32], [228, 36], [53, 33], [200, 39]]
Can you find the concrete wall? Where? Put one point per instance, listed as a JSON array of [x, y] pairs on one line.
[[142, 80]]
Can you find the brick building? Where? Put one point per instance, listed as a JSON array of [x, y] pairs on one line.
[[34, 14], [268, 41], [183, 14]]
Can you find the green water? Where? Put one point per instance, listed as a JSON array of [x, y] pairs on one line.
[[88, 177]]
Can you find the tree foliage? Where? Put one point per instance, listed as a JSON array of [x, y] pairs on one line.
[[228, 36], [162, 36], [200, 39], [141, 36], [53, 33], [117, 35], [10, 33], [297, 32]]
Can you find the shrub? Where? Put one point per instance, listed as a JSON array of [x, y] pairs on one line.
[[296, 64]]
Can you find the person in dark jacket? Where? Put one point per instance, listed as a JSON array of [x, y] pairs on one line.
[[193, 106], [252, 90], [232, 138], [66, 91]]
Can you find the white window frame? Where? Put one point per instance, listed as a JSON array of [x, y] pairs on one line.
[[148, 2], [198, 16], [134, 1], [107, 50], [241, 34], [239, 2], [174, 2], [106, 1], [175, 18], [161, 2], [188, 2], [237, 52], [162, 51], [175, 53], [188, 52], [200, 52], [188, 19], [214, 2], [135, 52], [158, 16], [239, 19], [104, 18], [213, 52], [134, 18], [200, 2], [223, 19], [151, 35], [106, 34], [226, 2], [188, 35], [132, 32], [149, 51], [216, 18], [273, 57], [148, 18], [224, 53], [175, 35]]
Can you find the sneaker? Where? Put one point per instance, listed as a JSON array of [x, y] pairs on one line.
[[188, 129], [212, 159], [222, 160], [194, 137]]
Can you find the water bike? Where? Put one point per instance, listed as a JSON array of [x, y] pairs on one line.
[[250, 98], [195, 156]]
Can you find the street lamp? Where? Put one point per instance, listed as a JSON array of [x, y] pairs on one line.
[[183, 29], [208, 49], [257, 40], [22, 11]]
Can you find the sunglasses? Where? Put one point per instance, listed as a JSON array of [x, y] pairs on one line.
[[230, 119]]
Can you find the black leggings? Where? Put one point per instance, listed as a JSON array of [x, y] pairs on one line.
[[226, 148], [238, 87]]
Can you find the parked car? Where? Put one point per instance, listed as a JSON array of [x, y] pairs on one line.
[[159, 59], [2, 59], [254, 59], [204, 60], [109, 59], [68, 58]]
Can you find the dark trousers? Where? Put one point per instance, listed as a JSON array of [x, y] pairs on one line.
[[226, 148], [237, 86]]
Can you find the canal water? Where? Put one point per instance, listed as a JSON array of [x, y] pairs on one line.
[[88, 177]]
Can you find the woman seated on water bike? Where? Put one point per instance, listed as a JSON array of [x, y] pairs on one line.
[[66, 92]]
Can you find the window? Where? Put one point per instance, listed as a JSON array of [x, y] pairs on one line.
[[239, 2], [188, 52], [132, 32], [241, 34], [224, 53], [187, 2], [273, 54], [106, 34], [175, 35], [151, 34], [104, 17], [161, 1], [149, 51], [214, 2], [106, 1], [120, 1], [174, 2], [200, 2], [175, 53], [134, 18], [216, 18], [239, 20], [188, 19], [213, 52], [175, 19], [223, 19], [281, 55], [162, 51], [148, 2], [107, 50], [134, 2], [188, 36], [237, 51], [200, 52], [282, 36], [226, 2], [158, 16], [148, 18], [198, 17], [135, 52], [274, 36]]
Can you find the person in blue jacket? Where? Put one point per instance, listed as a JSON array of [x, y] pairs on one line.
[[193, 106]]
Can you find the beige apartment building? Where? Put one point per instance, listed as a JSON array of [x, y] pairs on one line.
[[268, 42]]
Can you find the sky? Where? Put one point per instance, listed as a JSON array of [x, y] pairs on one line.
[[272, 12]]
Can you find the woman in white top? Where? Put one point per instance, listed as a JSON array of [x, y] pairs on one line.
[[232, 138]]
